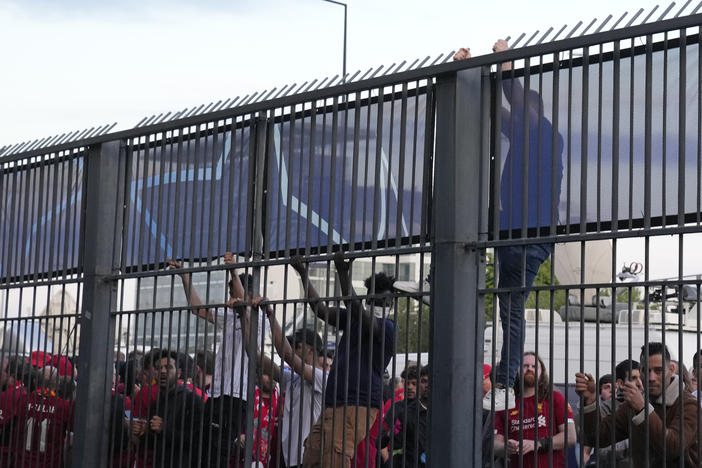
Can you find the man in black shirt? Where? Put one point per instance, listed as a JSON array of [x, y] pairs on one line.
[[173, 418]]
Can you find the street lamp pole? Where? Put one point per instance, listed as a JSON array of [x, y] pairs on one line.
[[343, 75]]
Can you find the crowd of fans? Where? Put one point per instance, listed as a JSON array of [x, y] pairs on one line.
[[160, 400], [170, 409]]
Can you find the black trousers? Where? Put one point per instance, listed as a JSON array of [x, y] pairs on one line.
[[224, 421]]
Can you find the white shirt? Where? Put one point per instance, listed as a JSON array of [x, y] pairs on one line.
[[231, 362], [303, 407]]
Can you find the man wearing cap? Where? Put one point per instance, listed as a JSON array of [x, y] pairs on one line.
[[302, 382]]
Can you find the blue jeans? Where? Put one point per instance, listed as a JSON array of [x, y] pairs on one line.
[[512, 265]]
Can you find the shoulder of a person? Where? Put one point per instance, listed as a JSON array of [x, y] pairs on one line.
[[287, 375], [222, 312], [690, 399]]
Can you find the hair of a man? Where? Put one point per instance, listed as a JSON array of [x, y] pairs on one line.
[[20, 370], [656, 348], [131, 371], [605, 379], [621, 372], [247, 282], [543, 383], [151, 357], [65, 387], [696, 361], [424, 371], [410, 373], [186, 364], [205, 361], [383, 283], [166, 353]]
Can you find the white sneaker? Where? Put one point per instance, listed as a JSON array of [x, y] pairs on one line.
[[504, 398], [415, 287]]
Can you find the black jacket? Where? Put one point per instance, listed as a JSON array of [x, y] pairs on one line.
[[411, 442], [178, 443]]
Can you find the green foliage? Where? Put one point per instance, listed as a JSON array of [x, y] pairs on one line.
[[623, 294], [412, 327], [489, 284], [543, 278]]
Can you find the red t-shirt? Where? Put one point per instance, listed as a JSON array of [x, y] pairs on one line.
[[143, 400], [10, 402], [44, 422], [534, 424], [265, 416], [140, 409]]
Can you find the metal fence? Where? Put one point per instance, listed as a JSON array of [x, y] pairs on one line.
[[125, 324]]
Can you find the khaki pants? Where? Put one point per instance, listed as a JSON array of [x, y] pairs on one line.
[[347, 432]]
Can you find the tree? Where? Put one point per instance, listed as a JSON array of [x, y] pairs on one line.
[[543, 278], [412, 326]]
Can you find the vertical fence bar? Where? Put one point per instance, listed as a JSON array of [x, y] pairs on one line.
[[457, 335], [102, 231]]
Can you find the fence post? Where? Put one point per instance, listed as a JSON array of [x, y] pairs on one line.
[[102, 231], [461, 176], [258, 153]]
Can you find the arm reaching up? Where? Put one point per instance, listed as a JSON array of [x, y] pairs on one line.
[[328, 314], [343, 268], [244, 312], [190, 294], [514, 92], [236, 289], [285, 351]]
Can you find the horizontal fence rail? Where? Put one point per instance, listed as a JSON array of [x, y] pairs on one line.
[[313, 276]]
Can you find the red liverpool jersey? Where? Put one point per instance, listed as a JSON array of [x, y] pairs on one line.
[[44, 422], [534, 421], [11, 400]]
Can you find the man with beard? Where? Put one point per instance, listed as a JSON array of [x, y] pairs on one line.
[[626, 371], [541, 426], [653, 426], [411, 423], [354, 393], [172, 431]]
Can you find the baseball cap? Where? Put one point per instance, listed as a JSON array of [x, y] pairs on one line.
[[63, 364], [39, 359], [307, 336], [486, 371]]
